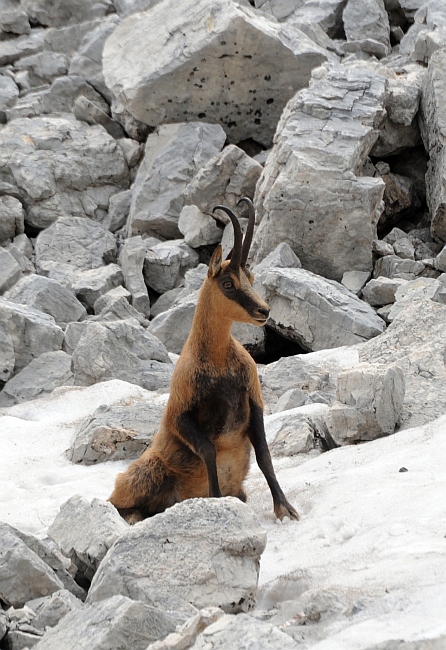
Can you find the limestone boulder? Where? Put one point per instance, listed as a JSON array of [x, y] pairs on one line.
[[325, 14], [381, 291], [49, 297], [198, 228], [121, 350], [76, 242], [208, 63], [172, 157], [110, 625], [119, 207], [117, 432], [85, 531], [66, 12], [131, 260], [294, 431], [10, 271], [315, 312], [11, 217], [8, 96], [393, 266], [49, 371], [165, 264], [61, 167], [30, 331], [367, 27], [433, 120], [324, 138], [282, 256], [51, 609], [23, 574], [370, 403], [171, 575], [226, 178], [13, 49], [44, 67], [91, 284]]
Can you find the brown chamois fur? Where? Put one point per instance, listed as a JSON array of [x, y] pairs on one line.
[[215, 407]]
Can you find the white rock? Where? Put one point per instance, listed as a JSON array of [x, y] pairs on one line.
[[171, 574], [354, 281], [131, 260], [365, 22], [315, 312], [94, 283], [282, 256], [172, 157], [381, 291], [85, 531], [11, 217], [198, 228], [165, 264], [10, 271], [206, 66], [66, 12]]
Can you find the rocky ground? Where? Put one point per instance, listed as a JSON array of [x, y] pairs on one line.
[[122, 124]]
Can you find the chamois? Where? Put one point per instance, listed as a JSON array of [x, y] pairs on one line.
[[215, 408]]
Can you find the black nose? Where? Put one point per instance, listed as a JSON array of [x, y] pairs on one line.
[[264, 312]]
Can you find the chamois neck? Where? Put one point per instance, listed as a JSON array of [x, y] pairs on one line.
[[210, 334]]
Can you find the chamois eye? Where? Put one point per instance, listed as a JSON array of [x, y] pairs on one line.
[[228, 284]]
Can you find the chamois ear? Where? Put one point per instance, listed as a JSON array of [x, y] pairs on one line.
[[215, 263]]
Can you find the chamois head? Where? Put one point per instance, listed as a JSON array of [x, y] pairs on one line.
[[232, 277]]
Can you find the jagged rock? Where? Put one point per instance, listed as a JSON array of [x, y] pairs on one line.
[[87, 62], [43, 67], [68, 38], [61, 97], [15, 21], [315, 312], [11, 217], [173, 325], [85, 531], [94, 283], [198, 228], [187, 633], [108, 298], [117, 432], [50, 610], [113, 624], [192, 282], [416, 290], [3, 625], [118, 308], [370, 402], [8, 96], [433, 117], [20, 640], [31, 332], [7, 354], [291, 399], [165, 264], [66, 12], [404, 249], [121, 350], [42, 375], [208, 66], [226, 178], [131, 260], [62, 167], [132, 149], [79, 242], [416, 341], [292, 373], [25, 264], [172, 157], [382, 248], [10, 271], [440, 260], [392, 266], [381, 291], [48, 296], [293, 432], [89, 112], [337, 218], [354, 281], [23, 574], [431, 33], [282, 256], [119, 207], [366, 26], [25, 45], [223, 574], [240, 632]]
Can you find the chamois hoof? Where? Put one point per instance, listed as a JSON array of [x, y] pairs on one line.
[[285, 509]]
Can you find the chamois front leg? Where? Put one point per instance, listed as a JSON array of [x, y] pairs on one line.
[[202, 446], [256, 433]]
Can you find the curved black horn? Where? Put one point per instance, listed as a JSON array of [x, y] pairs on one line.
[[249, 230], [236, 256]]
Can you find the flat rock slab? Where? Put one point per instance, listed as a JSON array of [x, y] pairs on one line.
[[156, 560], [113, 624], [317, 313], [221, 63]]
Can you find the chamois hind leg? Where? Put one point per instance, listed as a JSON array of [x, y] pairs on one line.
[[143, 490]]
